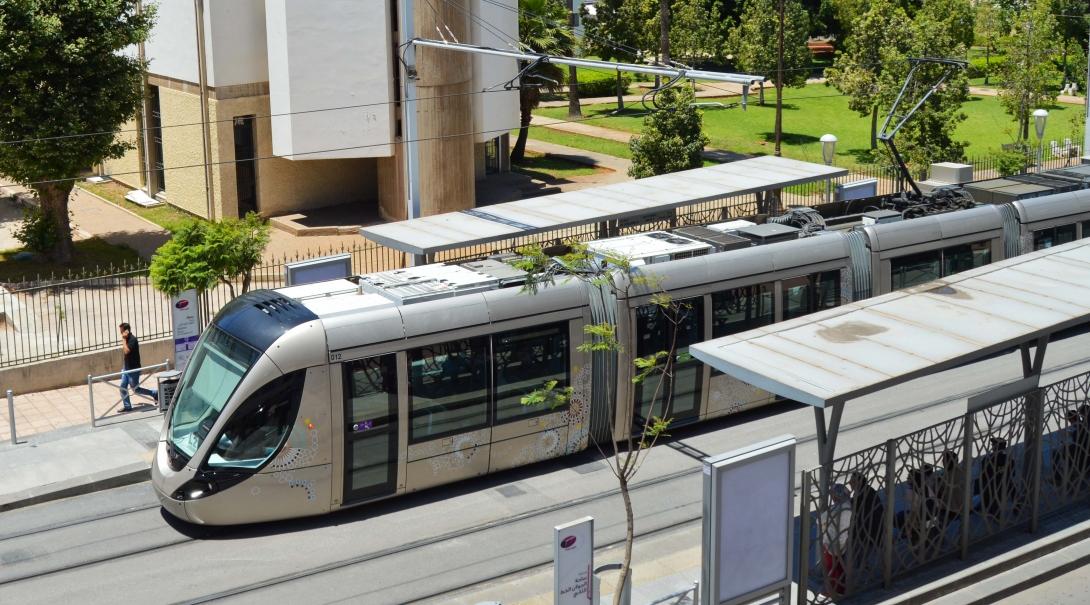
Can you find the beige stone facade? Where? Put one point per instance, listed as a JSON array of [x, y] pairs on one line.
[[283, 186]]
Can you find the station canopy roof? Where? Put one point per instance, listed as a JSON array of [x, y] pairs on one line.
[[873, 344], [640, 197]]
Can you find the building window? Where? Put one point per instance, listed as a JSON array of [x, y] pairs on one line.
[[524, 361], [448, 388], [155, 124], [245, 165]]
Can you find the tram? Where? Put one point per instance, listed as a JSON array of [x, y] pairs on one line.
[[308, 399]]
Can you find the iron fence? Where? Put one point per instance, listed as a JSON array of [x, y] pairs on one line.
[[897, 506], [51, 317], [54, 316]]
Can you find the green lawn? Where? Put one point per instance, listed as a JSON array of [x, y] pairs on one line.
[[91, 255], [606, 146], [548, 167], [164, 215], [815, 110]]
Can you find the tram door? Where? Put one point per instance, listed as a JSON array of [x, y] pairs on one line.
[[370, 419]]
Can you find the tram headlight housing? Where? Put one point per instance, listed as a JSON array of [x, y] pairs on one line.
[[206, 483]]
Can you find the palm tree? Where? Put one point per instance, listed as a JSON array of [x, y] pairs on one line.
[[542, 29]]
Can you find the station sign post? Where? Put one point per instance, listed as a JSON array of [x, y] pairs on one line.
[[186, 320], [573, 562], [748, 523]]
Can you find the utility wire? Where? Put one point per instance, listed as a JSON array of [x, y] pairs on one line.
[[349, 148]]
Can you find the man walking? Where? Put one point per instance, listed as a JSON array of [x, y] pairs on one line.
[[130, 369]]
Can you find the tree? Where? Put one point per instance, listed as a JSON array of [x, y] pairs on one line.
[[200, 254], [872, 64], [988, 25], [698, 31], [63, 72], [672, 138], [755, 45], [614, 34], [929, 135], [614, 278], [1072, 20], [542, 29], [1028, 74]]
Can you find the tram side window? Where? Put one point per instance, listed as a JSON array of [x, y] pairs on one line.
[[914, 269], [258, 427], [1054, 236], [741, 309], [524, 361], [656, 332], [448, 388], [1085, 229], [372, 389], [963, 257], [810, 293]]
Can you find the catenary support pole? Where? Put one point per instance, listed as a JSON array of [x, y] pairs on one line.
[[1086, 107], [410, 146], [206, 135]]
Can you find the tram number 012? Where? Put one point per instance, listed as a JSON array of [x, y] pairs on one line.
[[333, 357]]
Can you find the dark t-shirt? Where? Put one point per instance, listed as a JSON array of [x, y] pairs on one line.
[[132, 358]]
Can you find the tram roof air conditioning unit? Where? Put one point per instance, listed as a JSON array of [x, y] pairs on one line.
[[769, 233], [721, 241], [649, 248], [731, 226], [430, 282]]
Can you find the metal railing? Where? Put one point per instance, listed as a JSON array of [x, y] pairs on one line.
[[145, 373], [895, 507]]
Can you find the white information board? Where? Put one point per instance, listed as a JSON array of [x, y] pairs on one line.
[[573, 562], [748, 523], [186, 320]]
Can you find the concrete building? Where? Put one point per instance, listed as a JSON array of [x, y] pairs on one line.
[[302, 105]]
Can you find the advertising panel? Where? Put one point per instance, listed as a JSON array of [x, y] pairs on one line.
[[748, 523]]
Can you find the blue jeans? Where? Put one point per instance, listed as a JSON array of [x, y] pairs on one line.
[[131, 378]]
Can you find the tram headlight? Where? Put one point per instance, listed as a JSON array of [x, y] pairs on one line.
[[206, 483]]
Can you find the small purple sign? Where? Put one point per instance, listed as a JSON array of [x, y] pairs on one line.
[[363, 426]]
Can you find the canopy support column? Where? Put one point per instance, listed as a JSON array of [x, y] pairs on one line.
[[826, 440], [1034, 424]]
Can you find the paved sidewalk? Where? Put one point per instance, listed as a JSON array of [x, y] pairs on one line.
[[722, 89], [37, 413], [78, 460], [93, 216]]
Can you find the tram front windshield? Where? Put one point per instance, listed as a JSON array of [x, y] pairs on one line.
[[217, 367]]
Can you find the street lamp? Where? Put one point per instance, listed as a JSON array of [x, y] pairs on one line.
[[828, 153], [1040, 117]]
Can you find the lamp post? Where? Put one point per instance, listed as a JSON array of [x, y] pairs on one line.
[[1040, 117], [828, 152]]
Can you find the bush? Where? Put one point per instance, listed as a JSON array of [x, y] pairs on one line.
[[37, 232], [977, 66], [1010, 162], [594, 83]]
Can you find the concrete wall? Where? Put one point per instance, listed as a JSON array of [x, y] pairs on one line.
[[73, 371], [496, 111], [338, 55], [234, 32]]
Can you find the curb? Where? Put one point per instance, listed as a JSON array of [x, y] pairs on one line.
[[127, 475]]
